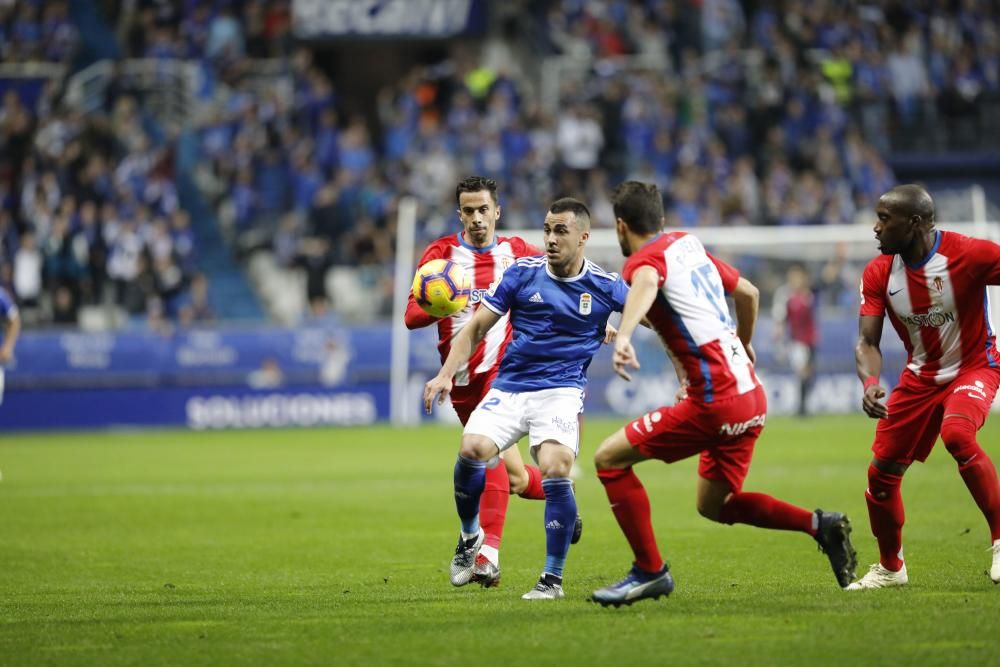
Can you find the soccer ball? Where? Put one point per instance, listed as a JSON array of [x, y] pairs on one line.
[[441, 287]]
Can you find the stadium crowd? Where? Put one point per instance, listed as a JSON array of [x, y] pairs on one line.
[[753, 113]]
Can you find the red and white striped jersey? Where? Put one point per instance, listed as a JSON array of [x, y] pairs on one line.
[[692, 317], [484, 266], [939, 307]]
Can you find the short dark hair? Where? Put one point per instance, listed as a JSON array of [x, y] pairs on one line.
[[476, 184], [574, 206], [639, 205]]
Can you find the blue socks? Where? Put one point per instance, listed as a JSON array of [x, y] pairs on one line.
[[470, 478], [560, 517]]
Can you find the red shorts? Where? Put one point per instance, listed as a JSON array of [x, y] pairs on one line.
[[915, 411], [723, 432]]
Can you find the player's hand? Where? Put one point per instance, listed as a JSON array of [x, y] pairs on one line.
[[5, 355], [609, 333], [682, 392], [436, 388], [871, 402], [750, 353], [624, 357]]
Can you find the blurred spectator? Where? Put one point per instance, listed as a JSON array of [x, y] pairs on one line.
[[268, 376], [794, 314]]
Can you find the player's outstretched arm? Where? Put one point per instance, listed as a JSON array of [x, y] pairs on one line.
[[462, 346], [868, 360], [12, 331], [415, 316], [746, 301], [641, 294]]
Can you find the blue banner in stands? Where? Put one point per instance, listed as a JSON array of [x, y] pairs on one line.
[[316, 19]]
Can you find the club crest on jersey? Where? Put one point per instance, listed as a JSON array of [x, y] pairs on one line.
[[939, 284], [505, 263], [585, 303]]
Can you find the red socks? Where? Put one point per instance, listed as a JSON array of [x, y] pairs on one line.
[[764, 511], [885, 512], [976, 468], [493, 504], [534, 490], [630, 505]]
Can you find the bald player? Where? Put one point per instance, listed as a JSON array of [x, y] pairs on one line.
[[932, 286]]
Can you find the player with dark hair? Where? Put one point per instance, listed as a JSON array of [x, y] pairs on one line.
[[932, 285], [484, 256], [680, 290], [559, 306]]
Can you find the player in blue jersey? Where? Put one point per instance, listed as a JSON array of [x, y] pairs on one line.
[[559, 307], [11, 323]]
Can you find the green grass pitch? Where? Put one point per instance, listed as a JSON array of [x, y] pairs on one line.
[[331, 547]]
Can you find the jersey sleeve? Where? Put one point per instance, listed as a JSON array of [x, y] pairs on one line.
[[501, 293], [415, 317], [985, 257], [522, 248], [8, 308], [641, 259], [873, 282], [619, 292], [730, 274]]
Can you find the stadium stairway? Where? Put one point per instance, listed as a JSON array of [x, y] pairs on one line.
[[230, 294]]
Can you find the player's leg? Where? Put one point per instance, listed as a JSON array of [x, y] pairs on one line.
[[906, 435], [492, 427], [526, 481], [554, 439], [492, 511], [886, 516], [649, 576], [555, 460], [723, 468], [965, 411]]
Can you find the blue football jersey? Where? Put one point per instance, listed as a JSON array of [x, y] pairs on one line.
[[558, 322], [8, 309]]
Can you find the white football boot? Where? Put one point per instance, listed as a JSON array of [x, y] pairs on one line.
[[879, 577], [464, 560], [549, 587], [995, 570]]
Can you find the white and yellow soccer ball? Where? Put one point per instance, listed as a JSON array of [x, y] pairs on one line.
[[441, 287]]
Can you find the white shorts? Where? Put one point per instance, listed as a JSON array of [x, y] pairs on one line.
[[799, 355], [547, 414]]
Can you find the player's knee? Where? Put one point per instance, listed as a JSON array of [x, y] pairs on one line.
[[959, 436], [477, 448], [518, 481], [610, 454], [882, 484], [711, 509]]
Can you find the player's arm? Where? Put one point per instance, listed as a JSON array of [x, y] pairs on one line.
[[868, 360], [10, 334], [462, 346], [415, 317], [746, 301], [641, 294]]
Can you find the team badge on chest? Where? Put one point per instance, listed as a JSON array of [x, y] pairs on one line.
[[585, 303]]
